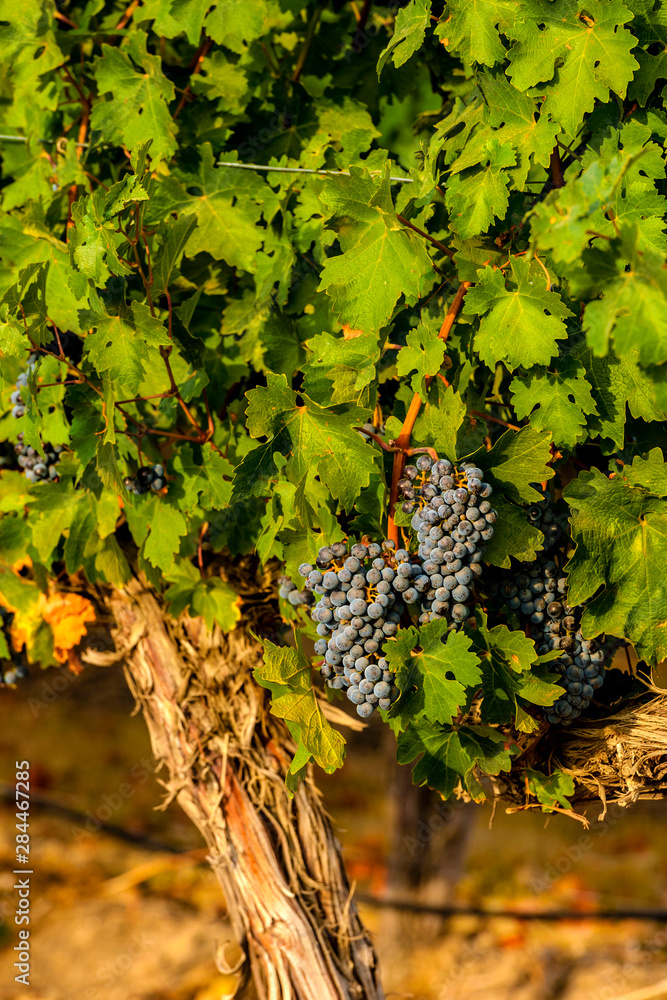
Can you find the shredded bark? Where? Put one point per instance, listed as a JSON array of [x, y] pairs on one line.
[[225, 758]]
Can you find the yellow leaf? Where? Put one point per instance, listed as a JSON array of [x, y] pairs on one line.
[[67, 615]]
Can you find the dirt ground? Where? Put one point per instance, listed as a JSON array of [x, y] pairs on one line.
[[114, 920]]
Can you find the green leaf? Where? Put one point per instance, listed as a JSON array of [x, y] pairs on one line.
[[521, 321], [312, 435], [475, 199], [167, 527], [235, 23], [207, 484], [551, 789], [472, 28], [514, 537], [503, 656], [650, 27], [629, 299], [174, 238], [434, 674], [138, 92], [228, 207], [409, 30], [649, 472], [378, 252], [557, 401], [517, 459], [287, 674], [620, 533], [440, 425], [449, 755], [117, 348], [585, 53], [217, 603], [341, 370], [423, 354], [617, 381]]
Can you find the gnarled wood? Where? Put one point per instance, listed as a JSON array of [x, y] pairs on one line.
[[276, 859]]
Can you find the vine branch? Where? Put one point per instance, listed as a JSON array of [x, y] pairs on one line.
[[402, 442]]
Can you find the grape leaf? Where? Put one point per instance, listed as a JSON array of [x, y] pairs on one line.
[[628, 289], [217, 603], [378, 252], [228, 209], [117, 348], [620, 534], [434, 681], [591, 49], [139, 94], [649, 472], [313, 435], [503, 657], [341, 370], [650, 26], [287, 674], [520, 324], [477, 198], [517, 459], [443, 424], [173, 240], [550, 789], [472, 28], [409, 29], [423, 354], [558, 401], [514, 537], [167, 527], [449, 755], [616, 382]]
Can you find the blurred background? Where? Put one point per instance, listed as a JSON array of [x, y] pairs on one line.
[[125, 908]]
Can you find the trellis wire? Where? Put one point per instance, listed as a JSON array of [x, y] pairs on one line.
[[239, 166], [304, 170], [47, 803]]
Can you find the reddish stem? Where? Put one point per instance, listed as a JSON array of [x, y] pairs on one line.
[[494, 420], [402, 442], [556, 169], [427, 236], [201, 54]]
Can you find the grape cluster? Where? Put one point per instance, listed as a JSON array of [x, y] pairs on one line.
[[148, 477], [359, 608], [290, 592], [537, 592], [540, 515], [369, 429], [38, 469], [18, 406], [453, 519], [14, 670]]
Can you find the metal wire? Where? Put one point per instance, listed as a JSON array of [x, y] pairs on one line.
[[304, 170], [239, 166], [23, 138]]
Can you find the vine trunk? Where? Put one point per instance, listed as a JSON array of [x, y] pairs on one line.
[[276, 858]]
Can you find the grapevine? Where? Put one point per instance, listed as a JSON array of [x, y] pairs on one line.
[[414, 380]]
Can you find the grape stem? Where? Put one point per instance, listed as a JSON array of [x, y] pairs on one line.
[[402, 442], [494, 420]]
